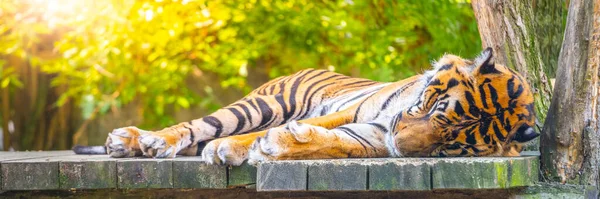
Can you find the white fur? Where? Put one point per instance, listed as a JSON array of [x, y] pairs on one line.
[[390, 144], [345, 101], [486, 54]]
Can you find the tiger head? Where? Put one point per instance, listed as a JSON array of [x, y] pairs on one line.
[[468, 108]]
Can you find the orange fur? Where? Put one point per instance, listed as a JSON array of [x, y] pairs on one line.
[[461, 108]]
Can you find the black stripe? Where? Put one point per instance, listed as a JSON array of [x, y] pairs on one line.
[[356, 134], [475, 149], [471, 134], [494, 97], [454, 146], [272, 89], [216, 123], [445, 67], [433, 96], [473, 110], [265, 111], [241, 120], [435, 82], [464, 152], [395, 121], [201, 146], [443, 118], [246, 111], [304, 110], [350, 100], [484, 127], [398, 92], [191, 133], [507, 126], [483, 96], [488, 68], [281, 102], [458, 109], [358, 109], [268, 124], [371, 82], [452, 83], [312, 93], [345, 77], [379, 126], [357, 140], [324, 111], [252, 105], [292, 98], [361, 95], [510, 85]]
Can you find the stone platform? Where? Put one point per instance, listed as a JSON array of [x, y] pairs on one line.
[[63, 170]]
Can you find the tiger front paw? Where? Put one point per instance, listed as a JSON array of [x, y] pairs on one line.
[[122, 142]]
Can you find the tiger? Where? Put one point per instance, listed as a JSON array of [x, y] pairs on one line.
[[460, 108]]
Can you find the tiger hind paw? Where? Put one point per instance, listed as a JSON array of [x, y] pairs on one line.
[[226, 151], [294, 141]]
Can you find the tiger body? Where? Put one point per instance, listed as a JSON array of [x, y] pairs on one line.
[[459, 108]]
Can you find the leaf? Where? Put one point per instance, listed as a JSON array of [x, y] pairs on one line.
[[15, 82], [69, 53], [5, 83], [183, 102]]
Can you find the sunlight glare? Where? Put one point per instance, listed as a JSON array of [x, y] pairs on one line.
[[57, 12]]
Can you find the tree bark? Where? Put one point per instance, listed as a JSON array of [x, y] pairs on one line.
[[570, 138], [508, 27], [549, 28], [5, 118]]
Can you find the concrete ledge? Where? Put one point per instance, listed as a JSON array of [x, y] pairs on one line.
[[62, 170], [542, 191], [400, 174]]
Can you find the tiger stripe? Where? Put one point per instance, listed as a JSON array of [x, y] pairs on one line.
[[459, 108]]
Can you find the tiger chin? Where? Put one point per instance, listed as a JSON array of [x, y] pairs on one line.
[[461, 107]]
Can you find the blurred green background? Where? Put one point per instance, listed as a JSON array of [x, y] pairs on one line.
[[72, 70]]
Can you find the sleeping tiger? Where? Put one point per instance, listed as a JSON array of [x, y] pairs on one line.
[[459, 108]]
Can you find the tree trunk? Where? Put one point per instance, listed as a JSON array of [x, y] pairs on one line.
[[549, 28], [570, 138], [508, 27], [5, 118]]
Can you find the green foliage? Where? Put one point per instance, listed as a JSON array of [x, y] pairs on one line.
[[113, 52]]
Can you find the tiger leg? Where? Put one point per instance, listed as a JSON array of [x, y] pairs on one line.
[[304, 141], [273, 104], [252, 112], [233, 150]]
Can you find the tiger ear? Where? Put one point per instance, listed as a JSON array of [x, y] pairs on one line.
[[484, 63]]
